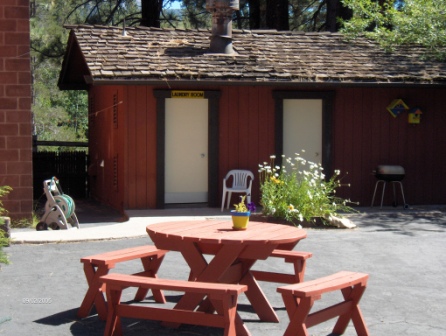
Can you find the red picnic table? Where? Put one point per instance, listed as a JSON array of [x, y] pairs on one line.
[[235, 252]]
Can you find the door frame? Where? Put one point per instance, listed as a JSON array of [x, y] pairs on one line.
[[327, 98], [213, 98]]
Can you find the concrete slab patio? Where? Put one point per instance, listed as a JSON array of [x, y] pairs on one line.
[[402, 250]]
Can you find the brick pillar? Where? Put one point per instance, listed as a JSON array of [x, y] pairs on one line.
[[15, 108]]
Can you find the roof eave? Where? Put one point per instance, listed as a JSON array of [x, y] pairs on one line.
[[168, 82]]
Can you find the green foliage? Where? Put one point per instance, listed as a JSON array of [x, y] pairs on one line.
[[4, 241], [304, 15], [25, 222], [241, 206], [421, 22], [307, 15], [302, 193], [194, 14], [104, 12], [58, 115], [4, 190]]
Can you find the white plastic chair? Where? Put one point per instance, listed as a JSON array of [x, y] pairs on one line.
[[241, 183]]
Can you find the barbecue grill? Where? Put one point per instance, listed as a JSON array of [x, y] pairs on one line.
[[389, 174]]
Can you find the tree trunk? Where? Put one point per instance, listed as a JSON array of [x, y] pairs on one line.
[[277, 14], [150, 13], [254, 14], [336, 10]]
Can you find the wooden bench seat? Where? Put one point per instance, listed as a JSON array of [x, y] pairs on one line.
[[222, 296], [297, 258], [299, 299], [98, 265]]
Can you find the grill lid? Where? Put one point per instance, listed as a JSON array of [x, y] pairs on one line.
[[389, 173]]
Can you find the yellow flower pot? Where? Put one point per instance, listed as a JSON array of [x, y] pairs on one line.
[[240, 220]]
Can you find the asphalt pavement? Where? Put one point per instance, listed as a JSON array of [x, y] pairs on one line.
[[403, 250]]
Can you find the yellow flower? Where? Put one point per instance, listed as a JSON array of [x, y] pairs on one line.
[[275, 180]]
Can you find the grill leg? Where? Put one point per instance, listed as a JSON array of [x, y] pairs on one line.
[[394, 193], [374, 193], [382, 195], [395, 198], [402, 192]]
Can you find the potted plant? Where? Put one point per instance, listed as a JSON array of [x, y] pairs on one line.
[[240, 216]]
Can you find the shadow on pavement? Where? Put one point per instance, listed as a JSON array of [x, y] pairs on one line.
[[64, 317], [406, 222]]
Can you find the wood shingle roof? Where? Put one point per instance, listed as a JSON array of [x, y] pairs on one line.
[[99, 54]]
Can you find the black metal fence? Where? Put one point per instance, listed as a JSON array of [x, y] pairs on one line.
[[69, 167]]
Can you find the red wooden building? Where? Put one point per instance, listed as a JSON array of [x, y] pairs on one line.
[[169, 117]]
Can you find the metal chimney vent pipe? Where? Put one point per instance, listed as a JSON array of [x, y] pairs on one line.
[[222, 10]]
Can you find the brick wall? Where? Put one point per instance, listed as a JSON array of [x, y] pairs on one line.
[[15, 107]]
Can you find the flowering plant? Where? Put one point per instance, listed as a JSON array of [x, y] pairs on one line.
[[301, 194], [242, 207]]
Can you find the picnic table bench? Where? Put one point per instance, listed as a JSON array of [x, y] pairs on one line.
[[299, 299], [222, 296], [297, 258], [98, 265]]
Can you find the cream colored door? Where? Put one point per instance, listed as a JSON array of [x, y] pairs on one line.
[[186, 146], [302, 128]]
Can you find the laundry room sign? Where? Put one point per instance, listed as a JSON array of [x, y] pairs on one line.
[[187, 94]]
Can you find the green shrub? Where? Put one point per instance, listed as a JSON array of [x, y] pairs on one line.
[[4, 190], [26, 222], [4, 241], [299, 190]]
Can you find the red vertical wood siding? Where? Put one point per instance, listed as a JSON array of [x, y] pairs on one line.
[[364, 136], [131, 141], [246, 130], [375, 137], [106, 145], [141, 147]]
